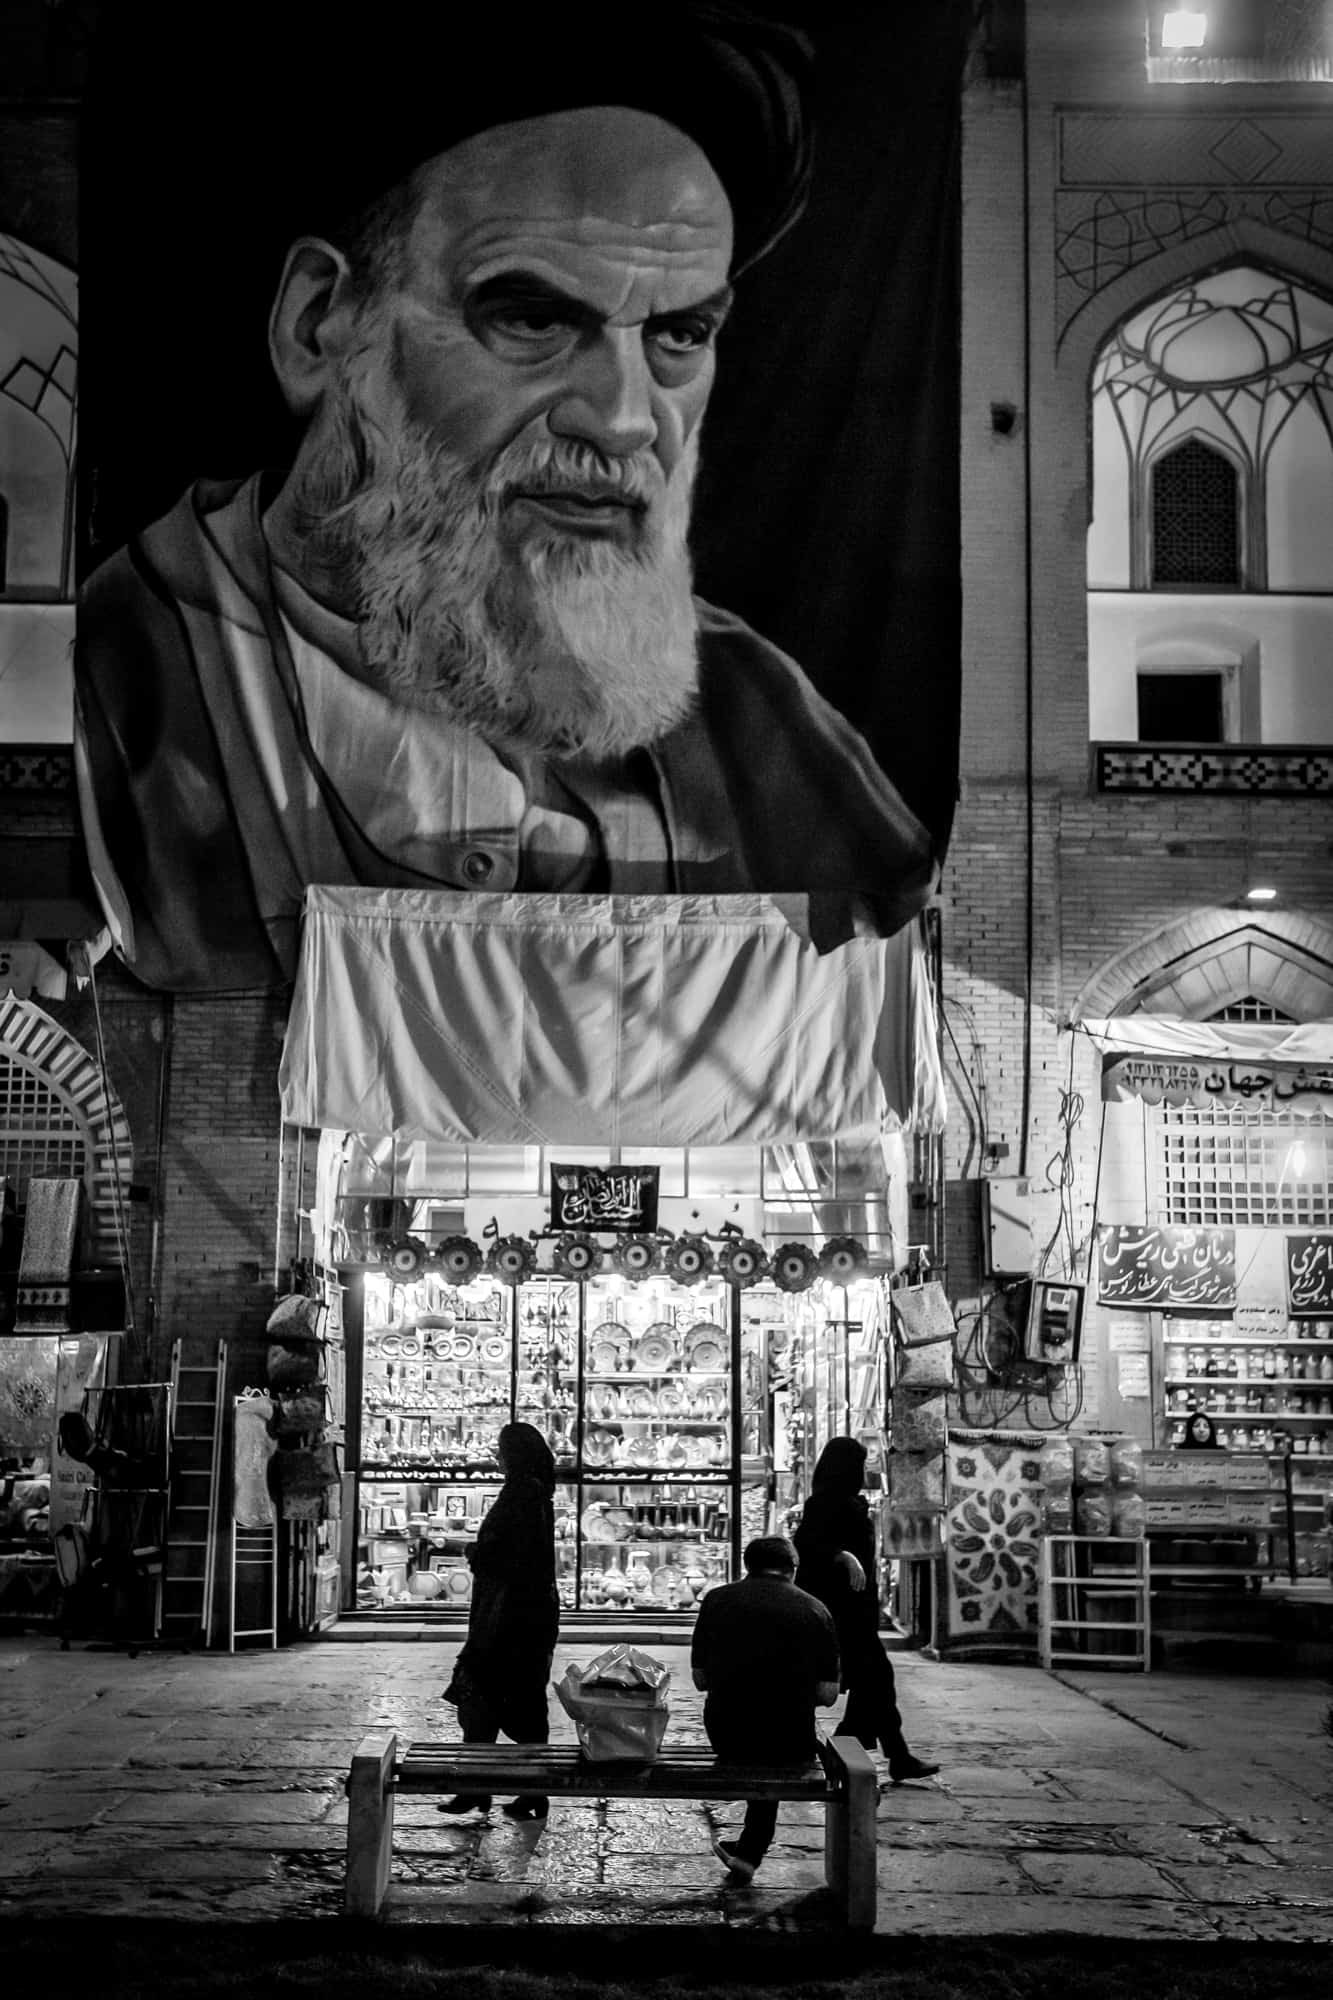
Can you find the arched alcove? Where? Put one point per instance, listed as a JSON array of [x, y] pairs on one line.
[[1197, 965], [57, 1118]]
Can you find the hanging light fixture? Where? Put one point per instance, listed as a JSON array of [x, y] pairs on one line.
[[1184, 28]]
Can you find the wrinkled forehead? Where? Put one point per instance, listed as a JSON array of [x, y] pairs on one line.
[[600, 178]]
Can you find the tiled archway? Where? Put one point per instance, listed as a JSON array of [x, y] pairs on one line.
[[92, 1123], [1213, 958]]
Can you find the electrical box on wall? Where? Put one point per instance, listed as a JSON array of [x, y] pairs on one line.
[[1054, 1322], [1006, 1225]]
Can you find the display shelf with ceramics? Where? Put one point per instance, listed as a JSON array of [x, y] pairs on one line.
[[657, 1380], [417, 1555], [548, 1317], [652, 1548]]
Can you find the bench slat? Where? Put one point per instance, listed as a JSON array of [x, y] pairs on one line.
[[560, 1768]]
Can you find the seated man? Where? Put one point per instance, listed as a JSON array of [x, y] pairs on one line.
[[766, 1656]]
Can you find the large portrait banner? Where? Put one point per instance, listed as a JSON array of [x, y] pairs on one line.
[[530, 463]]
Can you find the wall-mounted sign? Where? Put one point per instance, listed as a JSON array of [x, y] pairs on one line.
[[1173, 1080], [1142, 1267], [616, 1198], [1310, 1276]]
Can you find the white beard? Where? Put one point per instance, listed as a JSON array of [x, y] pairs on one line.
[[537, 640]]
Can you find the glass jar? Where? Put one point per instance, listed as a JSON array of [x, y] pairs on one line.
[[1270, 1364], [1283, 1362], [1326, 1367]]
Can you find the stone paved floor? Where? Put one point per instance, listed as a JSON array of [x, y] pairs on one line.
[[1160, 1806]]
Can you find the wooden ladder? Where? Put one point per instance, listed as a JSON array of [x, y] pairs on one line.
[[197, 1402]]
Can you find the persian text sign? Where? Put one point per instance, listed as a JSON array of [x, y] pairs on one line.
[[1310, 1275], [1147, 1268], [620, 1198], [1176, 1081]]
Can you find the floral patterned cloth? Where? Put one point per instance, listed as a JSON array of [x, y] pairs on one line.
[[994, 1527]]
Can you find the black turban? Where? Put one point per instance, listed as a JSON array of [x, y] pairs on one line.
[[352, 113]]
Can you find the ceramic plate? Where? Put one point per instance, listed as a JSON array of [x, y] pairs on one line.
[[708, 1354], [670, 1401], [464, 1347], [598, 1447], [640, 1403], [710, 1403], [621, 1523], [495, 1349], [603, 1356], [642, 1452], [654, 1350], [460, 1583], [611, 1329], [597, 1527]]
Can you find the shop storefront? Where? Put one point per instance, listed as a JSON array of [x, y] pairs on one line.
[[682, 1419], [1215, 1247], [658, 1228]]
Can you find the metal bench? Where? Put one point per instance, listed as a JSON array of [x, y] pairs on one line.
[[842, 1781]]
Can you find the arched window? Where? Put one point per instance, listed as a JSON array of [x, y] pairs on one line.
[[1195, 518]]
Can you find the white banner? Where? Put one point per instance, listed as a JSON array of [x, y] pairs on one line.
[[601, 1020]]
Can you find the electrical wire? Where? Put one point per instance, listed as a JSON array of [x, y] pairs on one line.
[[117, 1186]]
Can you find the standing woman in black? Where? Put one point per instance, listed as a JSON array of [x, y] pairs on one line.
[[835, 1544], [500, 1678]]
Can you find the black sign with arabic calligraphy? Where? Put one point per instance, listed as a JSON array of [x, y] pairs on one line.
[[1310, 1276], [1145, 1268], [617, 1198]]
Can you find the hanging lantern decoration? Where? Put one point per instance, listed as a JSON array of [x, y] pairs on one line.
[[742, 1262], [794, 1267], [511, 1259], [405, 1257], [459, 1258], [636, 1256], [576, 1254], [842, 1259], [689, 1259]]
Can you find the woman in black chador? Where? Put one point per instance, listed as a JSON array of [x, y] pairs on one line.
[[500, 1679], [835, 1544]]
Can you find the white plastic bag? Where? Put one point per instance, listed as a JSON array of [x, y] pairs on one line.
[[618, 1704]]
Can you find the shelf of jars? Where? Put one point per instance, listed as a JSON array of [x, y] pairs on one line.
[[1269, 1394]]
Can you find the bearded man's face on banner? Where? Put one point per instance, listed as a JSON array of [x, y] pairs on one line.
[[496, 477]]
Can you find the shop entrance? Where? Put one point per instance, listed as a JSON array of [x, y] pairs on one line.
[[684, 1420]]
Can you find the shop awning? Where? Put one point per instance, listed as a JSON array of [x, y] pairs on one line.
[[1266, 1064], [1309, 1042], [601, 1020]]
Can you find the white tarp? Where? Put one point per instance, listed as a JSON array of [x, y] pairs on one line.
[[600, 1020], [1309, 1042]]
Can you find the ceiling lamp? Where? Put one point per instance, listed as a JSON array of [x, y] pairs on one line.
[[1261, 893], [1184, 28]]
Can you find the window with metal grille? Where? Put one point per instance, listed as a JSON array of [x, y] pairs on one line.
[[39, 1134], [1195, 517], [1249, 1008], [1262, 1169]]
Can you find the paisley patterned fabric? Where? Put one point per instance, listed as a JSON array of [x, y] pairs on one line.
[[994, 1528]]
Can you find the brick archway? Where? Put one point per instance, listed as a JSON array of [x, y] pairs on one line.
[[32, 1041], [1213, 958]]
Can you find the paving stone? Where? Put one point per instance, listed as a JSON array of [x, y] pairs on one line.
[[1083, 1875], [948, 1874], [1025, 1916]]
